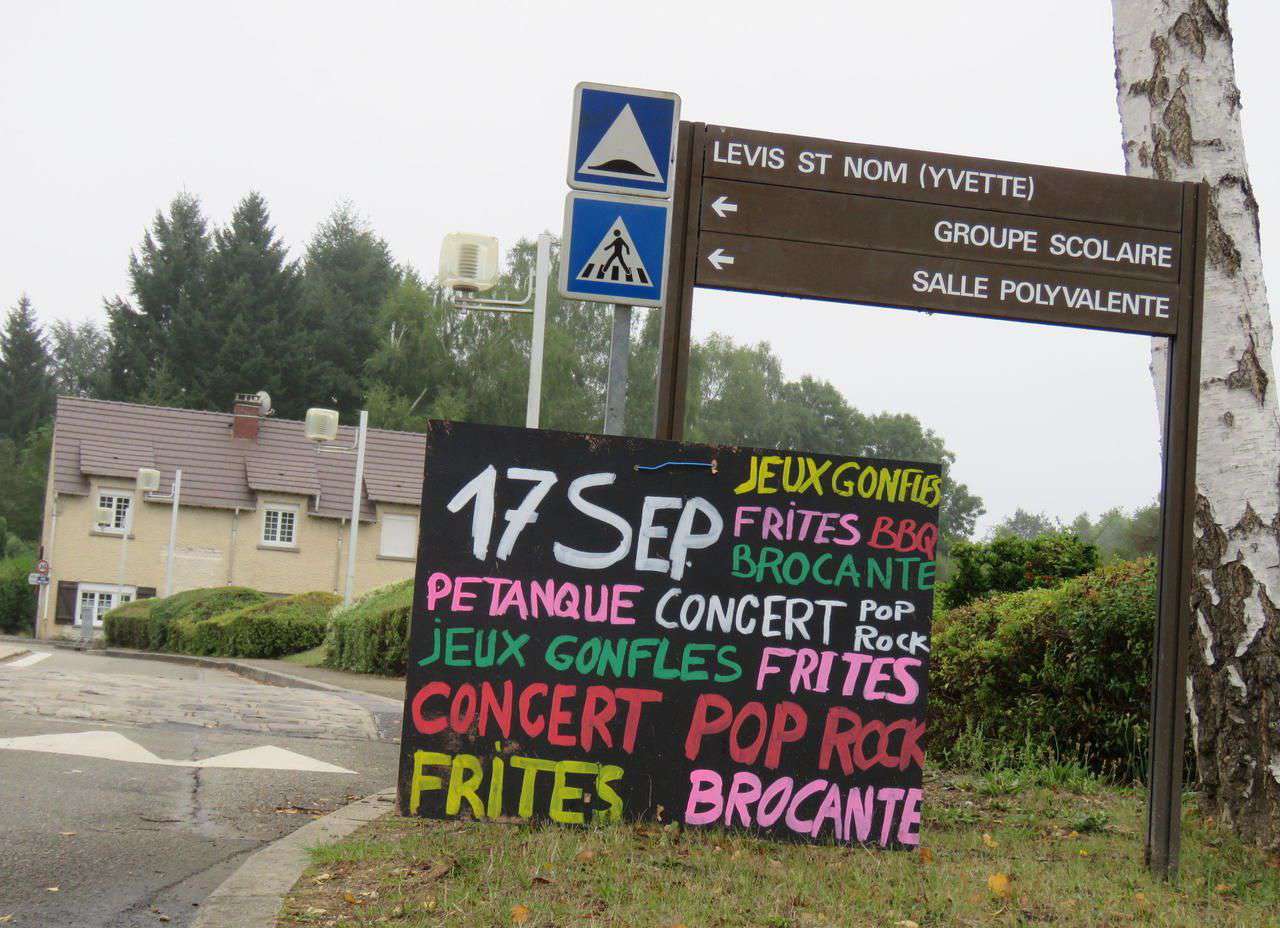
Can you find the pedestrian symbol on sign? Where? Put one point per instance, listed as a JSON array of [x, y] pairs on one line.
[[614, 249], [615, 259]]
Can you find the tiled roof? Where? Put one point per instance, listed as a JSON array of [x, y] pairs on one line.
[[106, 439]]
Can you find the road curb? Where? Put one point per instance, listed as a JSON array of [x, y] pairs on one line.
[[13, 655], [258, 674], [252, 896]]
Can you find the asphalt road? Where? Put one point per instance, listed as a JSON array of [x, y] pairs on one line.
[[90, 840]]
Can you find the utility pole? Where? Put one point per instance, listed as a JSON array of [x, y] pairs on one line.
[[615, 398]]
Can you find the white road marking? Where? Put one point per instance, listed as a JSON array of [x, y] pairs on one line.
[[34, 657], [110, 745]]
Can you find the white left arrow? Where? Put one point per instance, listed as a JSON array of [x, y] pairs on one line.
[[110, 745], [722, 205], [719, 259]]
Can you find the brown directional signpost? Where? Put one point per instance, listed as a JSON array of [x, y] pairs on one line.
[[794, 216]]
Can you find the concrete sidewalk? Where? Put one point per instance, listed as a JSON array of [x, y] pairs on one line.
[[9, 650]]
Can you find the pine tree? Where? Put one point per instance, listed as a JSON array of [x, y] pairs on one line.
[[164, 325], [250, 320], [26, 382], [348, 274]]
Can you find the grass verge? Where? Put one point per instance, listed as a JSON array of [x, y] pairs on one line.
[[1013, 851]]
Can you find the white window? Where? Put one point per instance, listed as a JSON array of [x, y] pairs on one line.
[[280, 526], [399, 536], [119, 502], [97, 599]]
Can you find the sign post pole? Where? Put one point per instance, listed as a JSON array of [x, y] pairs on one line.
[[1178, 502], [677, 311], [615, 397]]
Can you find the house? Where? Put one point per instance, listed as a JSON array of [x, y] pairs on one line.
[[260, 506]]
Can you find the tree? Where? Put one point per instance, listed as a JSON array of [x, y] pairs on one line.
[[164, 328], [251, 318], [1023, 524], [1010, 563], [348, 274], [1180, 113], [80, 353], [1120, 535], [24, 467], [26, 384]]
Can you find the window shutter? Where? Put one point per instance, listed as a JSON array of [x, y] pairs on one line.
[[145, 592], [65, 610]]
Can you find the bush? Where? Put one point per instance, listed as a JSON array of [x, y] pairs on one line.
[[17, 598], [372, 635], [267, 629], [1067, 670], [145, 624], [126, 626], [1011, 563]]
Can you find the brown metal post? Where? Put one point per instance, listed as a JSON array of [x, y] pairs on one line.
[[1178, 503], [677, 312]]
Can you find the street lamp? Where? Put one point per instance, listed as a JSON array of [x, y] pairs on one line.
[[322, 428], [152, 481], [468, 264]]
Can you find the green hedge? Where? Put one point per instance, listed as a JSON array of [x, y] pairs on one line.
[[267, 629], [145, 624], [1066, 669], [372, 635], [17, 598]]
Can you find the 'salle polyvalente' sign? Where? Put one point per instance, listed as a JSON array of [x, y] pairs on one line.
[[610, 628]]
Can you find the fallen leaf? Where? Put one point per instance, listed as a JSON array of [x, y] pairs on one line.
[[989, 841], [51, 889], [584, 855], [429, 903], [926, 856], [1222, 888], [67, 834], [544, 880], [1140, 898], [4, 919], [906, 923], [316, 910], [1083, 852], [520, 914], [323, 878], [351, 898], [999, 884], [162, 918]]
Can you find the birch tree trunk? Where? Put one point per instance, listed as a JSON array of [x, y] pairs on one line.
[[1180, 113]]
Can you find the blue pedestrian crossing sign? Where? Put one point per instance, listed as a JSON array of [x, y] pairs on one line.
[[623, 140], [614, 249]]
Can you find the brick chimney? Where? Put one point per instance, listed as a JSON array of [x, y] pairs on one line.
[[246, 412]]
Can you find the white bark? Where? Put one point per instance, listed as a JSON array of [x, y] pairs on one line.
[[1180, 113]]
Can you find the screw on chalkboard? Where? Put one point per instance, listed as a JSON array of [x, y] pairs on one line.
[[711, 465]]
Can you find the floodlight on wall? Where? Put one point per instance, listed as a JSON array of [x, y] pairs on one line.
[[148, 479], [469, 262], [322, 424]]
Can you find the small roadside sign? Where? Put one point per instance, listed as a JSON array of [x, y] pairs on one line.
[[614, 249], [37, 579], [42, 566], [623, 139]]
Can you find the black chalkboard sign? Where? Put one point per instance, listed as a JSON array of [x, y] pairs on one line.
[[617, 628]]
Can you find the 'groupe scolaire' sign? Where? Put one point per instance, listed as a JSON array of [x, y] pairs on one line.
[[620, 628]]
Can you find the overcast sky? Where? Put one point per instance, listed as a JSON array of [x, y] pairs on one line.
[[436, 117]]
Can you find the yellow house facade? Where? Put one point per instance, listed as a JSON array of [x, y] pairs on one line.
[[259, 506]]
